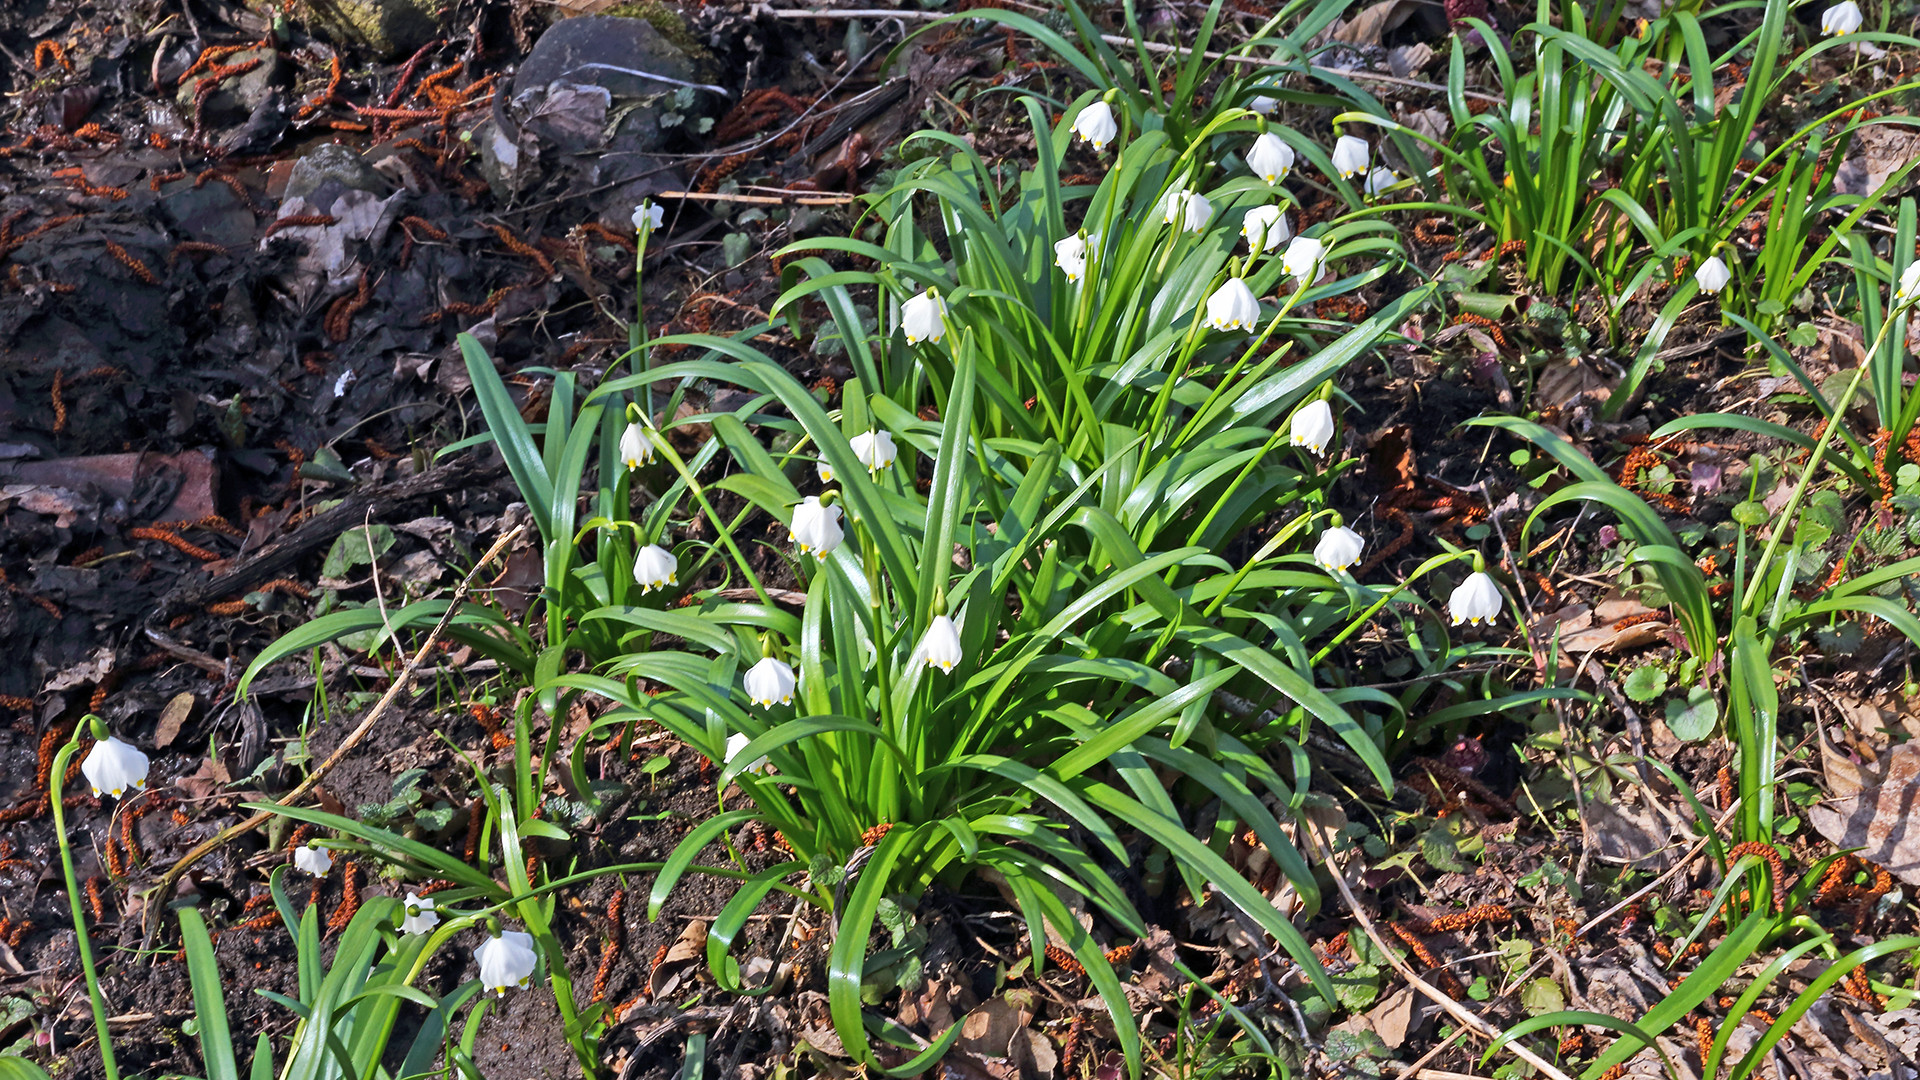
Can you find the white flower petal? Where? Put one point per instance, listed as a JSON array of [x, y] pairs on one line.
[[635, 448], [1096, 125], [654, 568], [816, 529], [940, 646], [1351, 156], [1339, 548], [1713, 275], [1476, 600], [506, 961], [114, 767], [1233, 307], [922, 318], [1265, 228], [1270, 159], [1312, 427], [770, 682], [419, 915]]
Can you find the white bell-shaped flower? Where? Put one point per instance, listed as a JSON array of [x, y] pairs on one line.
[[420, 916], [816, 527], [1188, 210], [1302, 259], [635, 448], [770, 682], [1312, 427], [1233, 307], [1262, 104], [1379, 180], [1713, 275], [648, 215], [941, 644], [1270, 159], [875, 449], [114, 767], [311, 859], [1265, 228], [1351, 156], [923, 318], [1909, 283], [1841, 18], [1477, 600], [737, 742], [1070, 255], [1096, 125], [1339, 548], [506, 962], [654, 567]]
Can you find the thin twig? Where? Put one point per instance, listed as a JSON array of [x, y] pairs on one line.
[[1439, 997], [156, 897], [794, 198], [1116, 39]]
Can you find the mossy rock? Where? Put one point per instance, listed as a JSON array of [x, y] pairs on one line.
[[388, 28], [669, 22]]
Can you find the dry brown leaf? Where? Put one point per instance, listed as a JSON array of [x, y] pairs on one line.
[[1375, 21], [172, 718], [689, 948], [1881, 818]]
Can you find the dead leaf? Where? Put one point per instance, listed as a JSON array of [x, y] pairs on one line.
[[1624, 834], [1375, 21], [1391, 1018], [171, 718], [1880, 819], [989, 1029], [691, 946], [88, 672]]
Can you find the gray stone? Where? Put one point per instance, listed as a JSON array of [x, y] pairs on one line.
[[332, 162], [236, 98], [604, 39]]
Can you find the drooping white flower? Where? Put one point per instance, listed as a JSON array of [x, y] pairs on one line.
[[1233, 307], [1842, 18], [737, 742], [635, 448], [1312, 427], [1380, 179], [506, 961], [770, 682], [1339, 548], [1909, 283], [1302, 258], [312, 860], [1187, 210], [941, 644], [1476, 600], [115, 767], [420, 916], [1713, 275], [1096, 125], [1270, 159], [1262, 104], [648, 215], [875, 449], [923, 318], [1350, 156], [816, 527], [1265, 228], [654, 567], [1070, 255]]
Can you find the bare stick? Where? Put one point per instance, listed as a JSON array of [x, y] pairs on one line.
[[792, 197], [156, 897], [1116, 39], [1453, 1008]]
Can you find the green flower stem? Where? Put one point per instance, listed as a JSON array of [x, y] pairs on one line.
[[1385, 598], [98, 1000], [1749, 595], [699, 494]]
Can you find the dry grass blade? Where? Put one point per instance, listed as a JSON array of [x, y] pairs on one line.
[[405, 679], [1439, 997]]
